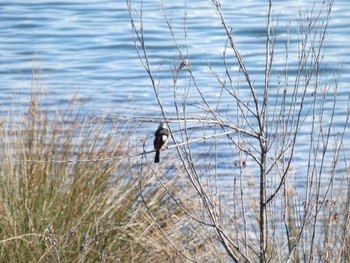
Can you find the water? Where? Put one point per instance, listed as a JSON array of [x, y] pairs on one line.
[[87, 47]]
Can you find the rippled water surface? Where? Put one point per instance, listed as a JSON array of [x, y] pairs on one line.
[[87, 47]]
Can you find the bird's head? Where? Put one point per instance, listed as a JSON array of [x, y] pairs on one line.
[[162, 125]]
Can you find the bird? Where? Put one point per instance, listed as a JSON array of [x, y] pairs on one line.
[[183, 64], [161, 137]]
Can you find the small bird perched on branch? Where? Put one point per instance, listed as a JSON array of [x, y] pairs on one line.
[[183, 64], [160, 140]]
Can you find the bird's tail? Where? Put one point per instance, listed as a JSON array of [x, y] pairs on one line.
[[156, 158]]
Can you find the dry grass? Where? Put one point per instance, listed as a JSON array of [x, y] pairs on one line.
[[54, 210]]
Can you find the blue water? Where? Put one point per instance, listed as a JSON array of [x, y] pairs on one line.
[[87, 47]]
